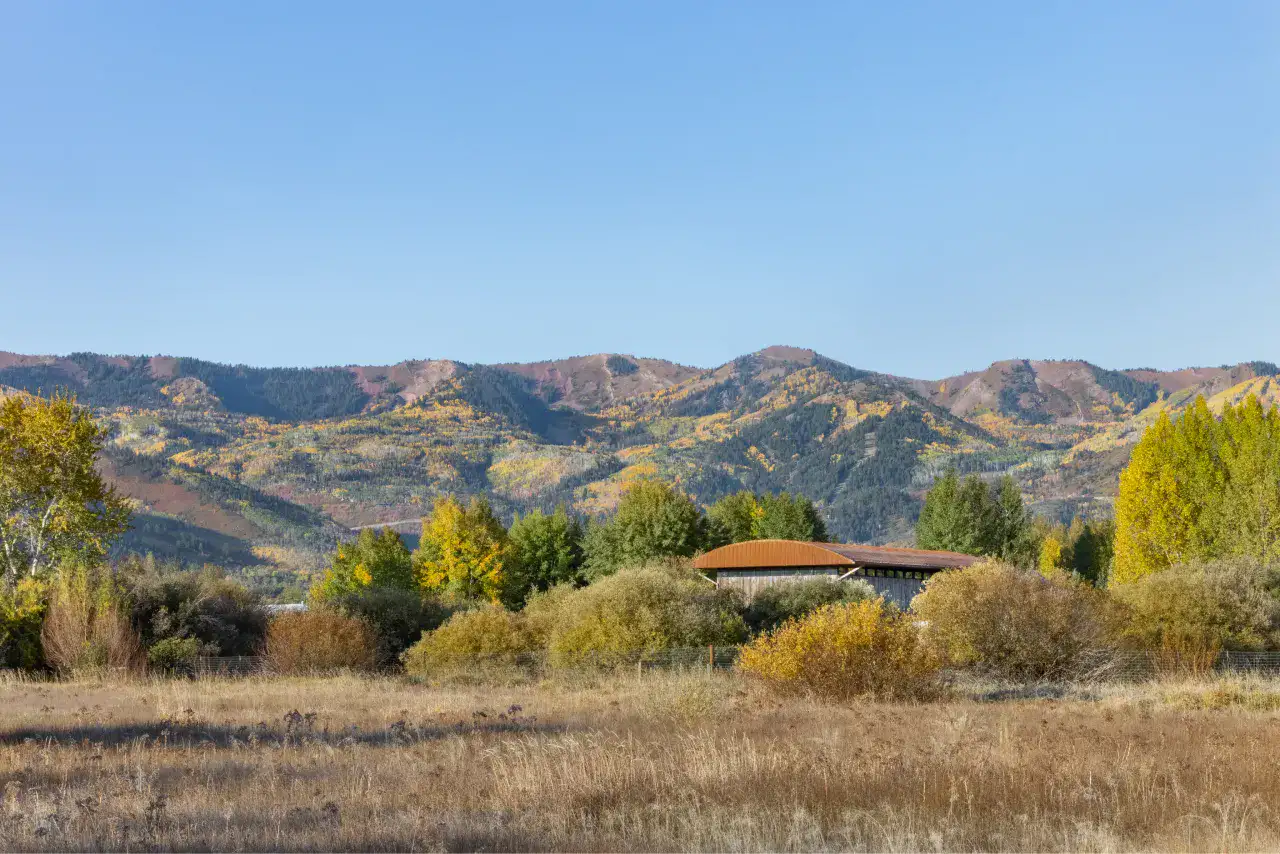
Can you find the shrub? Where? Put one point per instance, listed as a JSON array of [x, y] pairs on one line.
[[220, 615], [778, 603], [1015, 623], [22, 610], [313, 642], [487, 635], [174, 655], [1187, 613], [643, 609], [845, 651], [87, 628], [397, 617]]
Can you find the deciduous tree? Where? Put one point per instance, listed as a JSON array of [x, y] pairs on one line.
[[54, 504], [463, 552]]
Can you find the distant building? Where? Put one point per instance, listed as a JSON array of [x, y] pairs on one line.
[[897, 574], [288, 608]]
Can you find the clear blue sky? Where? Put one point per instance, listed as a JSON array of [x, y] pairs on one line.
[[918, 188]]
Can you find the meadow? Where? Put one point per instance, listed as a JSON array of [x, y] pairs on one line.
[[664, 761]]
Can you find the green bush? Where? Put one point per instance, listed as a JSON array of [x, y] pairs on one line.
[[778, 603], [316, 642], [846, 651], [219, 614], [469, 639], [1186, 614], [1014, 623], [398, 617], [173, 655], [643, 609], [22, 610]]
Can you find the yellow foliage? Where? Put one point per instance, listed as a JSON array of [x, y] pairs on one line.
[[845, 651]]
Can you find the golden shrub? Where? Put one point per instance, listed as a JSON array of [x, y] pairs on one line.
[[310, 642], [843, 652], [484, 636], [1185, 615], [1014, 623], [86, 627], [646, 609]]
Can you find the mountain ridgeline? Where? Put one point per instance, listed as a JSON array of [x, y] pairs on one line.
[[266, 468]]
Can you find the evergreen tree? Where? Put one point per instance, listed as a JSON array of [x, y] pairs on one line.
[[1013, 540], [969, 517], [1092, 543], [546, 549]]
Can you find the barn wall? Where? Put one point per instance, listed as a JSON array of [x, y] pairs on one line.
[[752, 581], [900, 591]]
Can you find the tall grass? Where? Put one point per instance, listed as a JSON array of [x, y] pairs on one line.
[[663, 762]]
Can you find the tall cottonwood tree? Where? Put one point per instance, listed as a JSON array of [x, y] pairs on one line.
[[1200, 488], [54, 504]]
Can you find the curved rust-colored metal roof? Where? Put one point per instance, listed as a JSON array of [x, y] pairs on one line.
[[770, 553]]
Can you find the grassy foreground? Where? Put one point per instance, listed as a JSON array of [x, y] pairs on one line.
[[662, 762]]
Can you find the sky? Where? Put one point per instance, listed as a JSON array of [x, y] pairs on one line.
[[919, 188]]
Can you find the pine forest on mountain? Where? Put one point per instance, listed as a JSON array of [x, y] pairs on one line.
[[265, 470]]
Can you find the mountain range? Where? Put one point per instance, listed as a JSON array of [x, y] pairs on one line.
[[264, 469]]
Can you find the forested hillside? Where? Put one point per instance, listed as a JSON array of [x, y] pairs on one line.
[[267, 467]]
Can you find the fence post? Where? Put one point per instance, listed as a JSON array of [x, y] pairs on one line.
[[711, 658]]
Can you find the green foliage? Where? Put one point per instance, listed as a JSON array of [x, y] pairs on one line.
[[216, 613], [174, 654], [845, 652], [295, 394], [92, 378], [969, 517], [776, 604], [469, 639], [1015, 623], [1201, 488], [639, 609], [1140, 394], [733, 518], [1090, 545], [1199, 608], [747, 516], [1020, 384], [397, 617], [464, 552], [654, 520], [54, 504], [376, 558], [22, 609], [621, 366], [546, 550]]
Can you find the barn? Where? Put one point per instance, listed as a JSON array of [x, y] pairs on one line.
[[897, 574]]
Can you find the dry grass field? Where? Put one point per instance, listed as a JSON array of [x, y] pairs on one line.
[[663, 762]]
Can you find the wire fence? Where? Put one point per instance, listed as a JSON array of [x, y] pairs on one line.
[[1118, 667]]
